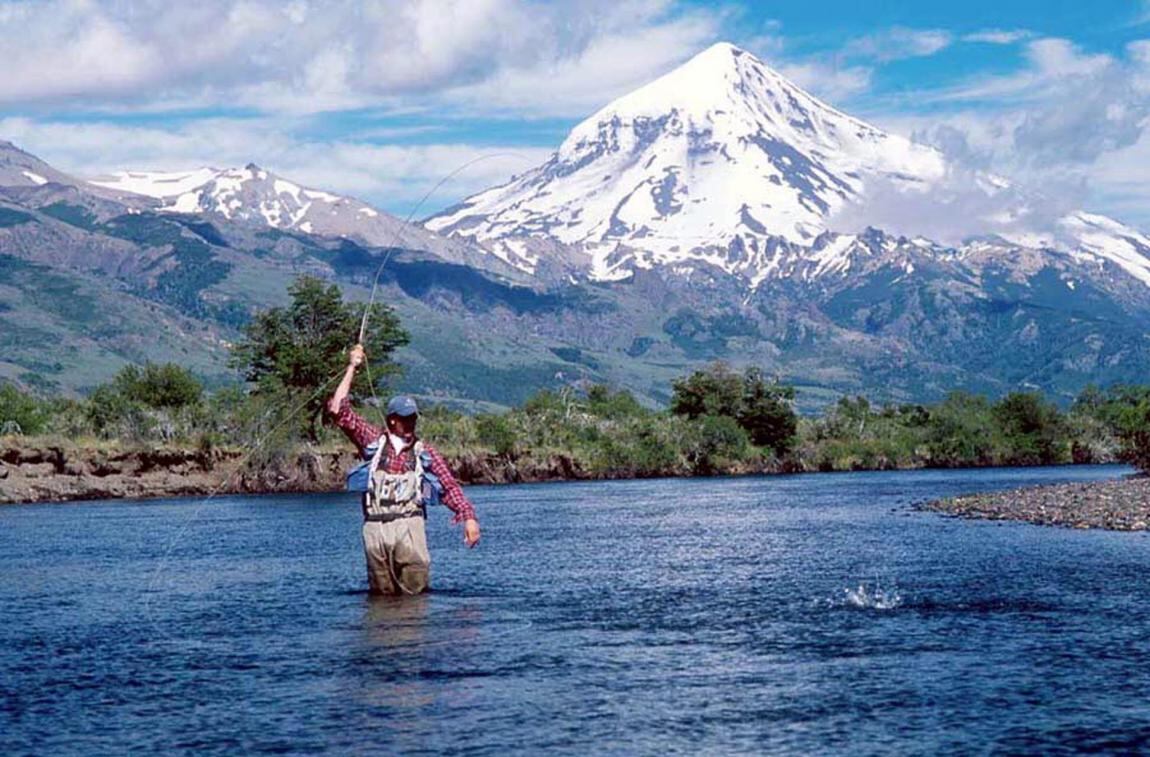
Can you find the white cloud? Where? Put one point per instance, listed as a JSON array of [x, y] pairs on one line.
[[1142, 16], [64, 49], [998, 36], [827, 80], [390, 176], [900, 42], [1060, 58], [1068, 129], [1051, 62], [825, 76], [308, 57], [1066, 107], [613, 62]]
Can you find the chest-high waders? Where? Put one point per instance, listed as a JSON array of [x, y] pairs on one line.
[[394, 532]]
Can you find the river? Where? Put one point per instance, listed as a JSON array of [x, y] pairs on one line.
[[812, 613]]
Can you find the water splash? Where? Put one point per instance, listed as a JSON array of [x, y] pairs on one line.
[[877, 598]]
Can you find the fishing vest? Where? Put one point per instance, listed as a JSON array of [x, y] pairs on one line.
[[390, 496]]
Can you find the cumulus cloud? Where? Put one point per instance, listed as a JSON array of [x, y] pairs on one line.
[[308, 56], [961, 204], [1068, 130], [1067, 108], [617, 55], [66, 49]]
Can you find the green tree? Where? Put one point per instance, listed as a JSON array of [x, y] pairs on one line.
[[300, 349], [1031, 428], [112, 414], [20, 413], [1089, 400], [1133, 428], [605, 403], [958, 432], [495, 432], [714, 441], [715, 390], [1124, 410], [765, 412], [160, 387], [760, 408]]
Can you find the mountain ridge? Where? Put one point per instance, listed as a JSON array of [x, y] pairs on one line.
[[259, 197]]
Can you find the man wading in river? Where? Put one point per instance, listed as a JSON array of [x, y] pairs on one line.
[[401, 475]]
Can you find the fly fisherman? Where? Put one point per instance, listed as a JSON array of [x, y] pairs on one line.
[[400, 477]]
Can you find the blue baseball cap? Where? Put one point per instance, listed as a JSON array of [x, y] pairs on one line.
[[402, 405]]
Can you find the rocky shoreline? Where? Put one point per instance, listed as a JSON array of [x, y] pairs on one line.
[[1120, 505]]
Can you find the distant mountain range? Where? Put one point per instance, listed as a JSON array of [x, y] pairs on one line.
[[691, 220]]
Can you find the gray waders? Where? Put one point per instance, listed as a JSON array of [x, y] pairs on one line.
[[394, 528]]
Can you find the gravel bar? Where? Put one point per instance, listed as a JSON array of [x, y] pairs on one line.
[[1122, 505]]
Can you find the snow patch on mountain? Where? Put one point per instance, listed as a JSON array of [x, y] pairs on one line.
[[259, 197], [1110, 240], [162, 185], [248, 193]]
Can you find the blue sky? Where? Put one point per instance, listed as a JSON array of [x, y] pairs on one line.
[[381, 99]]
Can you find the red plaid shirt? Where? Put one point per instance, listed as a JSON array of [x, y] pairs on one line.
[[364, 435]]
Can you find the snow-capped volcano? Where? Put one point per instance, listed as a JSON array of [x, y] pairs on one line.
[[724, 161], [711, 159]]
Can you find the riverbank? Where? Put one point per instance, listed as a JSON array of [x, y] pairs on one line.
[[1121, 505], [57, 471]]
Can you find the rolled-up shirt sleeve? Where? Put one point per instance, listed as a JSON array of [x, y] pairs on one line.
[[453, 495], [359, 431]]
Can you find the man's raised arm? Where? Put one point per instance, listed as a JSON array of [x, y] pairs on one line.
[[355, 359], [361, 433]]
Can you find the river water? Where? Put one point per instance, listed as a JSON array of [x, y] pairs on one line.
[[815, 613]]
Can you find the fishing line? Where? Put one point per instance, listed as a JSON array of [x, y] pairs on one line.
[[392, 247], [403, 226]]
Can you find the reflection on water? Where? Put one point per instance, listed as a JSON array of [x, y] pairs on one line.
[[795, 614], [395, 623], [394, 635]]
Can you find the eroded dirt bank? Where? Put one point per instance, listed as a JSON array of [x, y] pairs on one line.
[[59, 472]]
